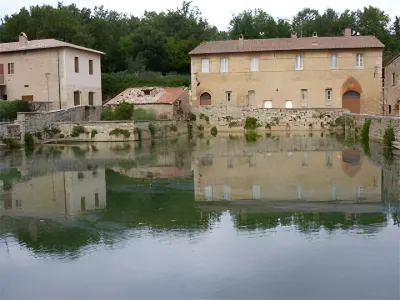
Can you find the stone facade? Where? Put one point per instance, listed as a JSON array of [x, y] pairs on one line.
[[378, 125], [98, 131], [9, 130], [233, 118], [276, 82], [392, 87]]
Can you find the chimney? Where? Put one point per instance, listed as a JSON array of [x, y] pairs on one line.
[[347, 31], [23, 40], [241, 41], [294, 35]]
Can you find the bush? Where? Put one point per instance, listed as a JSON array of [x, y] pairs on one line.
[[115, 83], [93, 133], [251, 123], [192, 116], [341, 121], [9, 109], [173, 127], [152, 129], [123, 111], [118, 131], [389, 137], [200, 128], [214, 131], [77, 130], [141, 114], [107, 114]]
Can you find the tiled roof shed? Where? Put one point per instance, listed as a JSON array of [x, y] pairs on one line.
[[287, 44]]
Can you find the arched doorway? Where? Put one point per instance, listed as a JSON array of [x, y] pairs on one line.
[[205, 99], [351, 95], [351, 161], [351, 101]]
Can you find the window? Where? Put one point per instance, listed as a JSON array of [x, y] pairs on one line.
[[390, 109], [90, 67], [394, 78], [91, 97], [333, 61], [254, 64], [96, 200], [83, 204], [77, 98], [11, 68], [289, 104], [228, 96], [268, 104], [299, 62], [360, 60], [303, 98], [76, 60], [223, 65], [205, 65], [328, 97]]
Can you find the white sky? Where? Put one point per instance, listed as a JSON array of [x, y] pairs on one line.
[[217, 15]]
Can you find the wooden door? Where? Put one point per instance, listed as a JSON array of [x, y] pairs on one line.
[[27, 98], [1, 74], [351, 101]]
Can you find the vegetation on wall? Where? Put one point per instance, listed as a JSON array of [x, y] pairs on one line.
[[389, 136], [152, 129], [9, 109], [214, 131], [138, 133], [365, 130], [77, 130], [118, 131], [121, 112], [251, 123]]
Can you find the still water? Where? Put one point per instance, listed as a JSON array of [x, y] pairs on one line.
[[285, 217]]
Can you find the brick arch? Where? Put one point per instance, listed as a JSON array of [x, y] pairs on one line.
[[351, 84]]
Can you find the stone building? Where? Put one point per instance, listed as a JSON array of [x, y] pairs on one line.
[[311, 72], [392, 86], [49, 70], [165, 102]]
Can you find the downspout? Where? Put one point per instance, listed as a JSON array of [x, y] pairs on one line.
[[59, 83]]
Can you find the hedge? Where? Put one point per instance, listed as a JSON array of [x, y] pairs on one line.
[[9, 109]]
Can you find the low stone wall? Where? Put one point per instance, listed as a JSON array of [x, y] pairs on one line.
[[10, 130], [100, 131], [378, 125], [233, 118], [37, 121]]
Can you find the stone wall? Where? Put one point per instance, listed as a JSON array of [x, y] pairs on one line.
[[9, 130], [98, 131], [36, 122], [233, 118], [377, 127], [392, 89]]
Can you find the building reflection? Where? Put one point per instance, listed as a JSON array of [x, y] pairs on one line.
[[313, 176], [68, 193]]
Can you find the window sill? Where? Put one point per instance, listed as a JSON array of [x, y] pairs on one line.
[[300, 69], [334, 68], [357, 67]]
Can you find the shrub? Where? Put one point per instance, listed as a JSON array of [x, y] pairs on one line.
[[77, 130], [365, 130], [200, 128], [141, 114], [192, 116], [93, 133], [173, 127], [152, 129], [341, 121], [251, 123], [214, 131], [118, 131], [9, 109], [52, 131], [138, 132], [268, 126], [123, 111], [107, 114], [389, 137]]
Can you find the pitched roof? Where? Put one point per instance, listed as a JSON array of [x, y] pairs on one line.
[[41, 44], [393, 59], [287, 44], [157, 95]]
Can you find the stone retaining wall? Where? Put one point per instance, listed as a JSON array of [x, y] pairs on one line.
[[233, 118], [377, 127], [9, 130]]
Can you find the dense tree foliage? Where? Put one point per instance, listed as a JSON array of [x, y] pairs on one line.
[[160, 42]]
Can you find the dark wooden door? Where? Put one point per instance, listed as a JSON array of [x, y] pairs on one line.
[[351, 101]]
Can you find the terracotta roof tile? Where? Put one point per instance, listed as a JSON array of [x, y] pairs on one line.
[[287, 44], [41, 44]]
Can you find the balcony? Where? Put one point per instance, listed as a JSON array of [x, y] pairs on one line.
[[2, 80]]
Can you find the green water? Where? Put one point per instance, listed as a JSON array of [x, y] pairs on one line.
[[282, 217]]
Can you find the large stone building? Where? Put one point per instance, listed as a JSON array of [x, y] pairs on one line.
[[392, 86], [63, 74], [313, 72]]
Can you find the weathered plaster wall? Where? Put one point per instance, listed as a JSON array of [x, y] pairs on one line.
[[392, 87], [378, 125], [233, 118]]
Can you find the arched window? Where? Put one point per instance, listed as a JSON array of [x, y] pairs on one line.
[[205, 99]]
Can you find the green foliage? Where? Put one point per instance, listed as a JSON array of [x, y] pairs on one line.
[[141, 114], [251, 136], [138, 133], [365, 130], [200, 128], [29, 141], [389, 136], [77, 130], [93, 133], [9, 109], [214, 131], [192, 116], [51, 131], [205, 118], [118, 131], [107, 114], [251, 123], [152, 129], [190, 131], [268, 126], [173, 127]]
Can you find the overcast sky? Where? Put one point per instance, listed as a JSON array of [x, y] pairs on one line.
[[218, 16]]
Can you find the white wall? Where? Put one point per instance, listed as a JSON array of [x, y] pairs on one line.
[[82, 81]]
